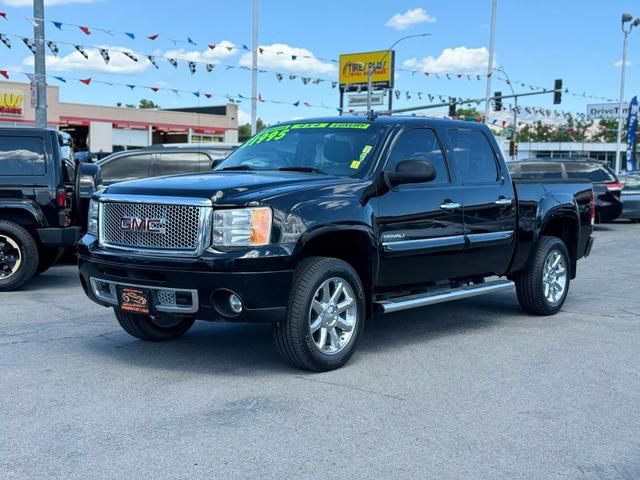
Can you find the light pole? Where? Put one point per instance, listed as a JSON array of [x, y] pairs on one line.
[[254, 71], [515, 109], [370, 67], [40, 69], [492, 35], [626, 18]]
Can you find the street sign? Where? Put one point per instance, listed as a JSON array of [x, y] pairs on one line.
[[608, 111], [361, 100], [354, 68]]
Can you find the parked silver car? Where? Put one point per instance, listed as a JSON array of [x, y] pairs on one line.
[[631, 196]]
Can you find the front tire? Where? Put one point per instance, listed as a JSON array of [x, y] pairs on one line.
[[542, 289], [19, 256], [151, 329], [325, 315]]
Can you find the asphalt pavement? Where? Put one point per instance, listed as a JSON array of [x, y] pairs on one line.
[[474, 389]]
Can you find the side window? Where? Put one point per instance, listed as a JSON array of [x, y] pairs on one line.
[[420, 144], [21, 156], [125, 168], [176, 163], [473, 156]]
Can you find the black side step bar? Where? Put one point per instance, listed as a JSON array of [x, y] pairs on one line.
[[422, 300]]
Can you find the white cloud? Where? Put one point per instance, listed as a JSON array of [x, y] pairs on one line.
[[47, 3], [618, 64], [223, 50], [118, 63], [413, 16], [452, 60], [243, 117], [278, 56]]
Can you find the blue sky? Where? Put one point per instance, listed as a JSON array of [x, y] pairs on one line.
[[536, 42]]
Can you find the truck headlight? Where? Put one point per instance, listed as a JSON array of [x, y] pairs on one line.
[[242, 227], [92, 220]]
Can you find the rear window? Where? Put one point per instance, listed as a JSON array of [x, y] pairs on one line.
[[21, 156], [473, 155], [592, 172], [547, 171]]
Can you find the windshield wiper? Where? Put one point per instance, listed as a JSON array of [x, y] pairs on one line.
[[238, 167], [302, 169]]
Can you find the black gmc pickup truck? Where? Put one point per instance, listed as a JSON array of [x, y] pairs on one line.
[[314, 226]]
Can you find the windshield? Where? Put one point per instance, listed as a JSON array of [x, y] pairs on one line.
[[332, 148]]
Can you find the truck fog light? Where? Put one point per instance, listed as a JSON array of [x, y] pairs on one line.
[[235, 304]]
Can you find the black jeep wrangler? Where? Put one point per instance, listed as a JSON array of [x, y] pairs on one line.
[[40, 202]]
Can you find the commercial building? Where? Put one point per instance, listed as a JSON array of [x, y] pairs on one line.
[[109, 129], [604, 152]]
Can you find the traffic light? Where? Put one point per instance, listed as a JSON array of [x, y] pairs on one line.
[[452, 107], [513, 149], [497, 101], [557, 92]]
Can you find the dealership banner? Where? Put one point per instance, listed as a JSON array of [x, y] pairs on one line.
[[354, 68], [632, 127]]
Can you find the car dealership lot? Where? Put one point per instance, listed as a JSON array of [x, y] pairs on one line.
[[475, 389]]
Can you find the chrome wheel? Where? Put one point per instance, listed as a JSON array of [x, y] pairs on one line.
[[554, 276], [10, 257], [333, 315]]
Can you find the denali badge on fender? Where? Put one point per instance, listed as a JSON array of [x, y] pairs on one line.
[[149, 225]]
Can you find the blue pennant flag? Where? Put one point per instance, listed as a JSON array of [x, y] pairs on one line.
[[132, 36], [60, 79], [296, 104], [197, 94], [131, 86], [191, 41], [58, 25], [632, 127], [293, 57]]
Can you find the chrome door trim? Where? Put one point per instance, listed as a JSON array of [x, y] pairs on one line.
[[478, 238], [424, 243]]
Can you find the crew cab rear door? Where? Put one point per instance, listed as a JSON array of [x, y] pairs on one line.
[[489, 201], [420, 225]]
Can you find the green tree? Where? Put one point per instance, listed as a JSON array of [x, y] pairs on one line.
[[607, 131], [145, 103], [244, 131], [469, 114]]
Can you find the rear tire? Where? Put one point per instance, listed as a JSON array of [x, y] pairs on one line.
[[543, 287], [19, 256], [322, 327], [145, 328]]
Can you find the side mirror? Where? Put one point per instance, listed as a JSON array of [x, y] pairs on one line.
[[411, 171]]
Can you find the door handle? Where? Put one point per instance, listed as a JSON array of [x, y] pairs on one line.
[[450, 206], [504, 201]]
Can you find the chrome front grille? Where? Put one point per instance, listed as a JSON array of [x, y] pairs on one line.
[[177, 228]]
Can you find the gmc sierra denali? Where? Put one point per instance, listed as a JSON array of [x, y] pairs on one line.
[[314, 226]]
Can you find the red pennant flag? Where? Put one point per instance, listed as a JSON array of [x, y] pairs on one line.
[[3, 15], [306, 104], [155, 89], [4, 74], [261, 50], [208, 95], [212, 46], [153, 37], [85, 30], [86, 81]]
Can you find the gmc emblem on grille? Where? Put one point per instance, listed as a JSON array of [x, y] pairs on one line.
[[147, 225]]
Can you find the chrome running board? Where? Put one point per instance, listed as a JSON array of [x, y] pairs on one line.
[[422, 300]]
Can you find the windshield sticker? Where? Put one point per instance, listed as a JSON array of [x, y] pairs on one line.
[[356, 164], [365, 152], [273, 134]]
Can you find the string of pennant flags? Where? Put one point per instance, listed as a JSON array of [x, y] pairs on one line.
[[238, 98], [88, 30]]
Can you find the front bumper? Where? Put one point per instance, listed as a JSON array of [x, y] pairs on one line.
[[203, 285]]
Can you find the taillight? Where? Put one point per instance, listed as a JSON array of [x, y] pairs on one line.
[[614, 187], [62, 198], [592, 206]]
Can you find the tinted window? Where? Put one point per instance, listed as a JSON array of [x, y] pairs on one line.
[[128, 167], [589, 171], [420, 144], [176, 163], [474, 158], [22, 156], [536, 170]]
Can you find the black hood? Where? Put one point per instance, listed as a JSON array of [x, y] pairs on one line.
[[227, 187]]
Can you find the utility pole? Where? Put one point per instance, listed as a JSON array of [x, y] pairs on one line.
[[492, 35], [254, 72], [40, 69]]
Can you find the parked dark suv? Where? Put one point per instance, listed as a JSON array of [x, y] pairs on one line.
[[606, 185], [41, 202], [162, 160]]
